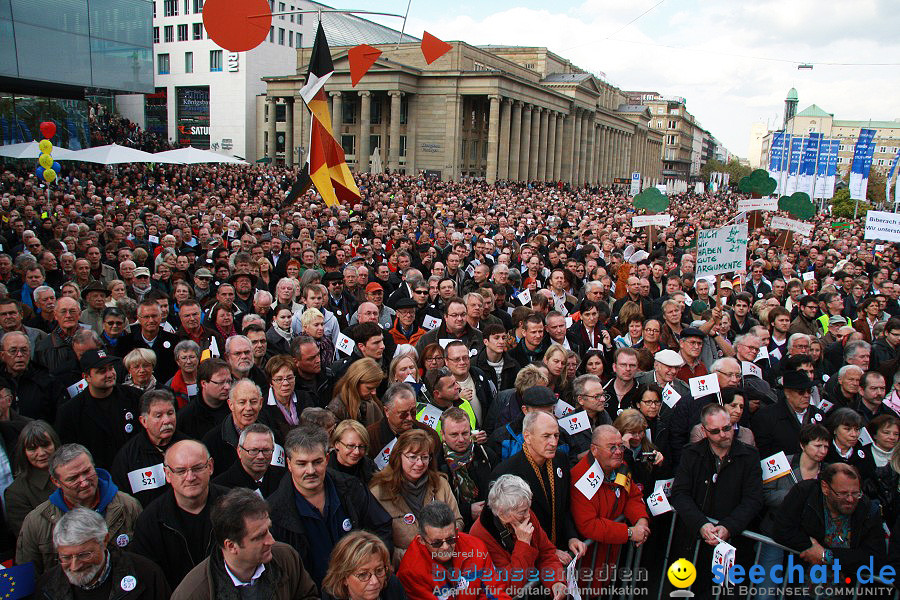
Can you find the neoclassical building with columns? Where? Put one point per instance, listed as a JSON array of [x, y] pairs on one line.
[[498, 112]]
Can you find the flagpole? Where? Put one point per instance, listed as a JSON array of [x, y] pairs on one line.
[[403, 28]]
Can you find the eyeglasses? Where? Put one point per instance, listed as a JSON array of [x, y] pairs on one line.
[[718, 430], [254, 452], [16, 351], [355, 447], [280, 380], [196, 469], [594, 397], [845, 495], [225, 382], [458, 359], [407, 414], [450, 541], [365, 576], [652, 402], [413, 458], [420, 291], [81, 556], [456, 315], [432, 359]]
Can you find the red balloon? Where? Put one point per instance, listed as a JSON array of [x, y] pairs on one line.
[[48, 129], [234, 24]]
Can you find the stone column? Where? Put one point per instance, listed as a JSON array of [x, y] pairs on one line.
[[557, 153], [546, 147], [411, 145], [525, 142], [578, 148], [493, 140], [336, 115], [365, 117], [396, 97], [549, 174], [592, 155], [515, 140], [535, 149], [301, 126], [610, 133], [568, 150], [451, 137], [503, 149], [589, 145], [270, 128], [289, 131]]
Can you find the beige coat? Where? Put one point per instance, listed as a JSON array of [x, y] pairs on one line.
[[405, 528]]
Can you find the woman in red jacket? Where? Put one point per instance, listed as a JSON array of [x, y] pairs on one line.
[[515, 540]]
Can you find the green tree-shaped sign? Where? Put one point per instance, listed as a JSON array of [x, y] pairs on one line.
[[797, 205], [757, 184], [651, 200]]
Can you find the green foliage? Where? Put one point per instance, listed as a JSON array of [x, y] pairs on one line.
[[734, 169], [737, 170], [758, 183], [651, 200], [798, 205], [875, 189], [842, 205]]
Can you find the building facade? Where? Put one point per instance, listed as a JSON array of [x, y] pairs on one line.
[[502, 113]]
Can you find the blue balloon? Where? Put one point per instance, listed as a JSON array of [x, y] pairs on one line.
[[40, 172], [56, 167]]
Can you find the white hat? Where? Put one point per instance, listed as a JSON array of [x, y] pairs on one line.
[[670, 358]]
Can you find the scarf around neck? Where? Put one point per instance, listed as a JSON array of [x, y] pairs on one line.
[[458, 463]]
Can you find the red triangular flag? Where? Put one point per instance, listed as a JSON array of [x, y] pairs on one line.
[[433, 48], [362, 58]]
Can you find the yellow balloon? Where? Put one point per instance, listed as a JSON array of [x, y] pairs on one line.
[[45, 161], [49, 175], [46, 147]]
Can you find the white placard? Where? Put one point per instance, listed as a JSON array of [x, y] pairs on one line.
[[775, 354], [430, 415], [562, 409], [664, 486], [658, 503], [590, 482], [572, 589], [775, 467], [704, 385], [722, 250], [76, 388], [345, 344], [809, 275], [825, 405], [748, 368], [670, 396], [152, 239], [470, 270], [147, 478], [635, 184], [569, 322], [723, 555], [864, 438], [662, 220], [278, 456], [524, 297], [757, 204], [430, 322], [575, 422], [384, 455], [763, 353], [799, 227], [882, 225], [444, 341], [214, 348]]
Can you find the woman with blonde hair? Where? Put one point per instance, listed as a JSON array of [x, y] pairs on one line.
[[360, 569], [140, 363], [408, 483], [350, 442], [355, 394], [403, 366], [555, 360], [643, 458], [313, 322]]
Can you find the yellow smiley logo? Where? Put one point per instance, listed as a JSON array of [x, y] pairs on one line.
[[682, 573]]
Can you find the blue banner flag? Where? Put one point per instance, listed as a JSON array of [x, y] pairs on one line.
[[17, 582], [807, 173], [862, 163], [798, 145]]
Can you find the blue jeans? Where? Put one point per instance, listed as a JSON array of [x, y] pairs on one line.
[[769, 556]]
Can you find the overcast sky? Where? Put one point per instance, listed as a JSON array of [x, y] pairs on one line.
[[719, 55]]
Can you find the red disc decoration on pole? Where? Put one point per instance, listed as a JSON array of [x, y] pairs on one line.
[[237, 25]]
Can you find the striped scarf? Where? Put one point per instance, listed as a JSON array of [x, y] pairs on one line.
[[551, 497]]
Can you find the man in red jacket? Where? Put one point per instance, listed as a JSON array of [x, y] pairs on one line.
[[602, 490], [443, 563]]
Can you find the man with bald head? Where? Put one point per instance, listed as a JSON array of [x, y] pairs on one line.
[[633, 294], [616, 495], [55, 351], [174, 531], [245, 403]]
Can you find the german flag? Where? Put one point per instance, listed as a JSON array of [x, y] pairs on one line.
[[326, 168]]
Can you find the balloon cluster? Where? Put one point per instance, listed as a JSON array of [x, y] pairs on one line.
[[48, 169]]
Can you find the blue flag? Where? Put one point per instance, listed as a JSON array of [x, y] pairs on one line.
[[17, 582]]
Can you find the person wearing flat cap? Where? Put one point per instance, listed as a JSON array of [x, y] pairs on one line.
[[777, 427], [94, 295], [691, 342], [666, 364], [104, 415], [405, 330]]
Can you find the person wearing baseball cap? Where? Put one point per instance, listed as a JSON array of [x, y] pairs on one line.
[[104, 415], [141, 284]]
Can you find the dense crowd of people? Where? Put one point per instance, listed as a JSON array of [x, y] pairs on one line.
[[445, 389]]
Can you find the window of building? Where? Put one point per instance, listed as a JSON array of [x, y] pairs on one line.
[[198, 31], [182, 33], [375, 111], [169, 33], [474, 156], [404, 110], [673, 123], [842, 147], [348, 111], [881, 149], [281, 9], [374, 142], [280, 36], [292, 16], [290, 39], [880, 162], [299, 20], [154, 9], [162, 64], [462, 149], [840, 160], [402, 145], [198, 7], [671, 139], [156, 35], [187, 7], [170, 8], [271, 35], [348, 143], [215, 60], [188, 62]]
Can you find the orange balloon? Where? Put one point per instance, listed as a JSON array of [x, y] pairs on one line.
[[233, 25]]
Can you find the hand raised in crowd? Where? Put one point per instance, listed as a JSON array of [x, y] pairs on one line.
[[815, 554], [524, 530]]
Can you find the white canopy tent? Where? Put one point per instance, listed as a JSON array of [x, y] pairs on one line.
[[114, 154], [193, 156], [31, 150]]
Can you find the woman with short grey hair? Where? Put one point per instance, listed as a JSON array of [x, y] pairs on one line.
[[514, 537], [140, 363]]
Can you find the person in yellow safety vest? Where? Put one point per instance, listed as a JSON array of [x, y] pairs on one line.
[[834, 306], [443, 393]]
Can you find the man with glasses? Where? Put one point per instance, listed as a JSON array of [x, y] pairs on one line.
[[34, 391], [89, 564], [80, 484], [587, 391], [691, 347], [831, 520], [777, 427], [474, 386], [616, 496], [453, 327], [209, 409], [254, 469], [443, 562], [175, 531], [313, 508], [150, 334], [665, 373], [718, 477], [342, 304], [805, 321], [399, 402], [138, 466], [622, 391]]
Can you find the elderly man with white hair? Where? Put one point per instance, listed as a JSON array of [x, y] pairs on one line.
[[89, 564], [515, 539]]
